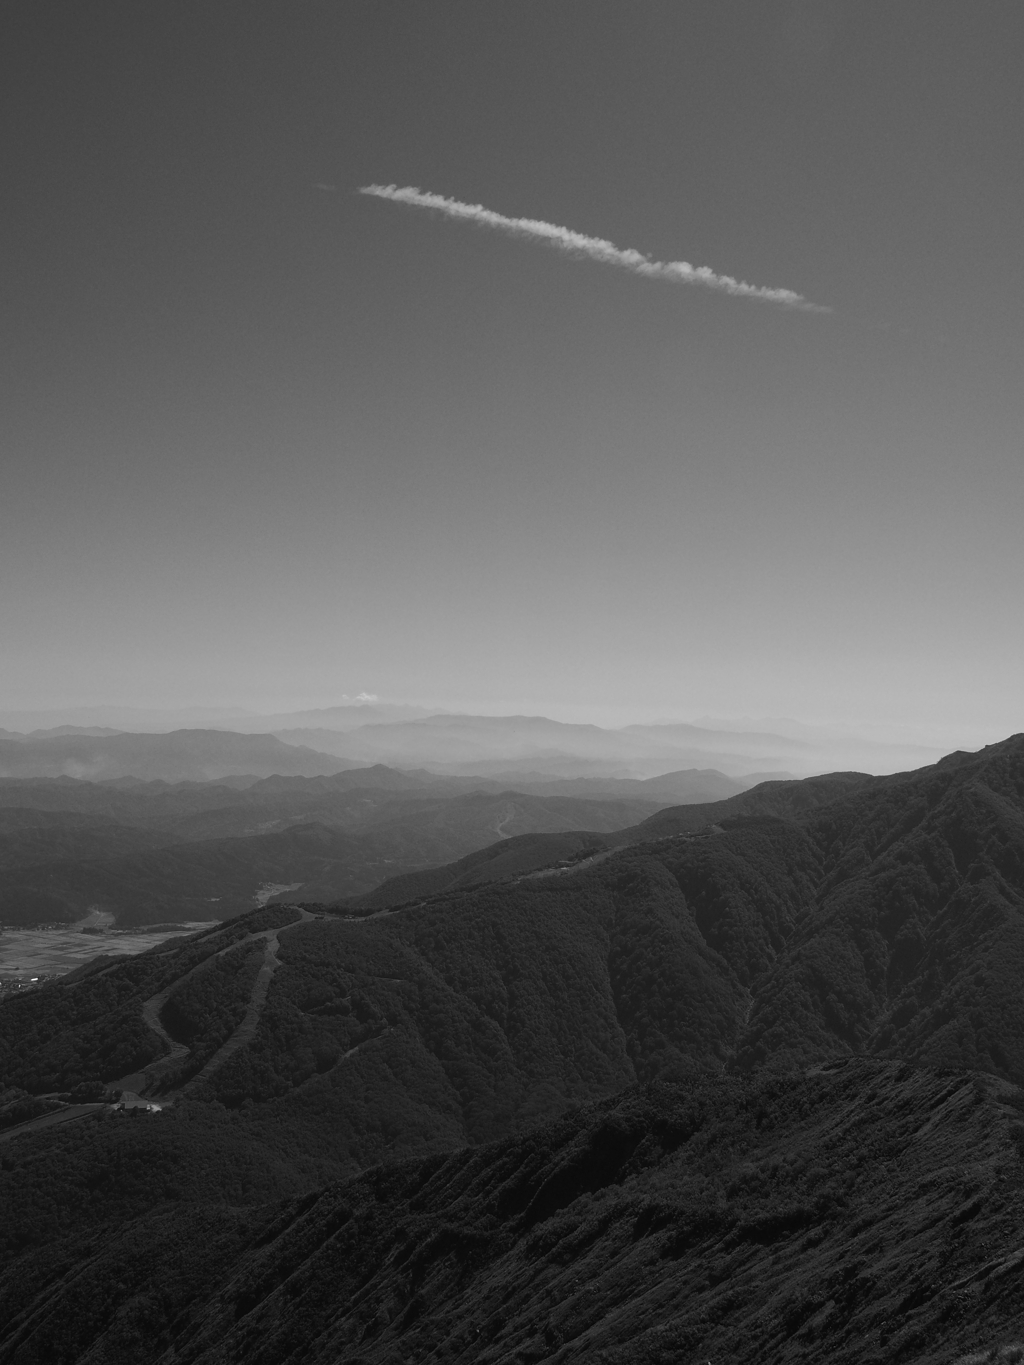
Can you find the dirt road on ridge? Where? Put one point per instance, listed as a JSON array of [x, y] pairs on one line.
[[140, 1081], [177, 1052]]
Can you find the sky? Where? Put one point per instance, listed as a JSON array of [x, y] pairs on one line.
[[270, 441]]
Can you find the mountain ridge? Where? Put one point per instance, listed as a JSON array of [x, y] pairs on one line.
[[817, 993]]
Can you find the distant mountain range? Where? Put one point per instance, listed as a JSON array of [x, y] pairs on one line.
[[534, 745], [488, 745], [689, 784], [226, 813], [533, 748], [181, 756], [151, 852], [94, 719], [507, 748]]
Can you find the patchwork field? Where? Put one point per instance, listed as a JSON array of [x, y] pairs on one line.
[[27, 953]]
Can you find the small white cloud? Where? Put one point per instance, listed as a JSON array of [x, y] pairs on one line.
[[593, 248]]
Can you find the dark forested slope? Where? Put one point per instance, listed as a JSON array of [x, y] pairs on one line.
[[863, 1213], [30, 838], [914, 943]]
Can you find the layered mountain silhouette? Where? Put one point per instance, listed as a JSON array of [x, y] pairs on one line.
[[735, 1081], [181, 756], [152, 852], [807, 921], [163, 879], [536, 746], [114, 719], [525, 746], [510, 749]]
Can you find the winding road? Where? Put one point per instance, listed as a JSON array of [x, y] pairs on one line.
[[241, 1035], [141, 1083], [135, 1086], [506, 819]]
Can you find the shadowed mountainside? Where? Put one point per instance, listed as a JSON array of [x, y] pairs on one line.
[[863, 1213], [30, 837]]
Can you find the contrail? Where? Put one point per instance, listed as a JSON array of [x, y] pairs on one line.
[[593, 248]]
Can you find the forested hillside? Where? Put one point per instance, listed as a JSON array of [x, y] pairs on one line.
[[863, 1213], [733, 955], [885, 921]]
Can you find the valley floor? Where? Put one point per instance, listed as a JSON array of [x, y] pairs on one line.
[[28, 953]]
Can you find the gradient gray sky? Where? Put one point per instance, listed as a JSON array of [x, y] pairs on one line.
[[267, 443]]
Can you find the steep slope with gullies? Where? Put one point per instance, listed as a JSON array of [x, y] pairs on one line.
[[877, 915], [913, 945], [468, 1019], [861, 1213]]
